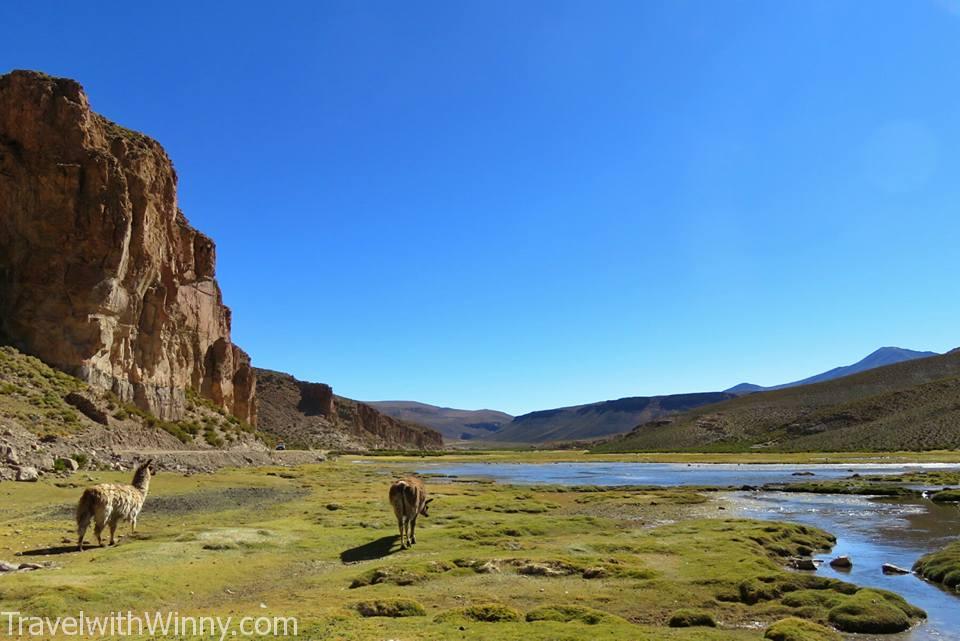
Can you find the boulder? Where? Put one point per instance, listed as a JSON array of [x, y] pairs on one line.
[[27, 474], [9, 454], [890, 568], [489, 567], [841, 563], [804, 563]]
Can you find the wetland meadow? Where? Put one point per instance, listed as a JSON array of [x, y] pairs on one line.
[[520, 557]]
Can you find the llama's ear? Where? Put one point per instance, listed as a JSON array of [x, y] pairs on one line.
[[428, 502]]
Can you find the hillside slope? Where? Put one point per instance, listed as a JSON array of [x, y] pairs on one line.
[[454, 424], [909, 405], [47, 417], [310, 415], [599, 419], [880, 358]]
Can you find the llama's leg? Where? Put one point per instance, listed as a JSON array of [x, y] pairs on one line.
[[100, 515], [133, 525], [113, 529], [413, 530], [82, 524], [400, 527]]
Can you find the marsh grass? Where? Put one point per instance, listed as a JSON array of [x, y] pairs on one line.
[[942, 566], [585, 567]]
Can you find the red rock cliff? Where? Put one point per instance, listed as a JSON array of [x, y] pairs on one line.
[[303, 414], [101, 275]]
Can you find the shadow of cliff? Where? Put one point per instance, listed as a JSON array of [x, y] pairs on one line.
[[373, 550]]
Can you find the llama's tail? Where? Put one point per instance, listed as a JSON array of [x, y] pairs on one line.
[[85, 509], [396, 498]]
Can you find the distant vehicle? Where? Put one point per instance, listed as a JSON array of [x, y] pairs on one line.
[[281, 446]]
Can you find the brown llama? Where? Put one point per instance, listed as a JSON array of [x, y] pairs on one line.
[[110, 503], [409, 500]]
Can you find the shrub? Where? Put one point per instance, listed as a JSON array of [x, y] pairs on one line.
[[211, 437], [688, 618]]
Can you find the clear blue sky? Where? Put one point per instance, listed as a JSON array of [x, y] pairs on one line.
[[521, 205]]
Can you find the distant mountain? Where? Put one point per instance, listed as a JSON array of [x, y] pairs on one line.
[[911, 405], [599, 419], [454, 424], [880, 358], [604, 418]]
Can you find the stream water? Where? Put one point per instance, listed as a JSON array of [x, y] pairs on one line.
[[871, 531]]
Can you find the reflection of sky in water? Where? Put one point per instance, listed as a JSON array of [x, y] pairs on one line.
[[670, 474], [870, 531], [873, 532]]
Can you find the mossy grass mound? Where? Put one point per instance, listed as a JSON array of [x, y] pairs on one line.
[[874, 612], [794, 629], [482, 613], [942, 566], [946, 496], [689, 618], [390, 608], [396, 576], [567, 614]]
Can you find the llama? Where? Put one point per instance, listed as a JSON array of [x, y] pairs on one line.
[[109, 503], [409, 500]]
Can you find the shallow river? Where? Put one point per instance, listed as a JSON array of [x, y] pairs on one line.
[[870, 531]]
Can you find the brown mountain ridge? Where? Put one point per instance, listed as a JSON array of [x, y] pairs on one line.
[[912, 405]]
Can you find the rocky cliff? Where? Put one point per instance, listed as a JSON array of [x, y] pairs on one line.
[[101, 275], [303, 414]]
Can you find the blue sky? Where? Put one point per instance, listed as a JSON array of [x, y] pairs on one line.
[[522, 205]]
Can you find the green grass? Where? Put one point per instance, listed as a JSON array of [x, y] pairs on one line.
[[942, 566], [592, 563], [391, 608], [689, 618], [946, 496], [794, 629], [874, 611], [32, 396]]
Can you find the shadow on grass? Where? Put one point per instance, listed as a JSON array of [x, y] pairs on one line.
[[373, 550], [54, 549]]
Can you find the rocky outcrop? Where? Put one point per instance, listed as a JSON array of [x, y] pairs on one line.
[[303, 414], [101, 275]]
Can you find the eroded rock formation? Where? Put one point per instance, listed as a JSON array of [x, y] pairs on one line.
[[101, 275], [303, 414]]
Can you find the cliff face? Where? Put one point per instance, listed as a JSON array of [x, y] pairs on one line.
[[101, 275], [305, 414]]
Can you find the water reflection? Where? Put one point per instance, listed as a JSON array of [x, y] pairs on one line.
[[873, 532], [870, 531]]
